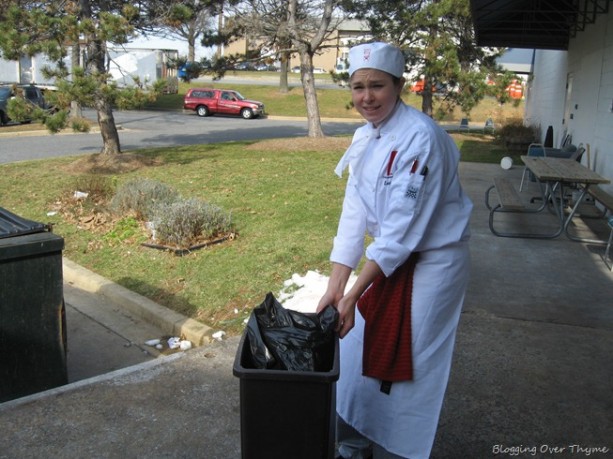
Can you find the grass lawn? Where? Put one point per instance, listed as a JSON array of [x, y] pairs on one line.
[[284, 199]]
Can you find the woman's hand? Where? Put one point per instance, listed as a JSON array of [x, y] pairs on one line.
[[330, 298], [345, 307], [346, 314], [347, 303], [336, 286]]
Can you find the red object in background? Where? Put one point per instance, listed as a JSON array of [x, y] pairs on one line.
[[515, 90]]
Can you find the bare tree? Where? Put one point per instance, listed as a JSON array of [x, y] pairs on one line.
[[308, 31], [293, 27]]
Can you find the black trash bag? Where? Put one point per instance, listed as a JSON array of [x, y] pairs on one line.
[[282, 339]]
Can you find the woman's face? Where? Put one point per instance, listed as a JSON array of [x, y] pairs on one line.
[[374, 94]]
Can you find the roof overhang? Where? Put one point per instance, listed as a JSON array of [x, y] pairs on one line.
[[540, 24]]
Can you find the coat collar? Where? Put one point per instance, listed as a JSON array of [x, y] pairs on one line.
[[359, 145]]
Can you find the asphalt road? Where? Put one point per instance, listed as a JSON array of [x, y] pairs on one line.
[[148, 129]]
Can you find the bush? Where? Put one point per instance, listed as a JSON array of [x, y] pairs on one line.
[[89, 193], [80, 124], [96, 186], [185, 222], [515, 133], [141, 196]]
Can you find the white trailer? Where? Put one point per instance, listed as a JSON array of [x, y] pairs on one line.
[[123, 64], [144, 64], [27, 70]]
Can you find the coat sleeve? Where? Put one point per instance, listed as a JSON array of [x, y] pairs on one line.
[[349, 241]]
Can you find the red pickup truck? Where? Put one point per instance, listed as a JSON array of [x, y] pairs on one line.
[[223, 101]]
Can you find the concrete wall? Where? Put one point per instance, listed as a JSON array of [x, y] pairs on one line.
[[546, 92], [584, 107]]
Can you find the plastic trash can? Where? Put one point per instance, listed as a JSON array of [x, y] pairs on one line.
[[32, 314], [287, 414]]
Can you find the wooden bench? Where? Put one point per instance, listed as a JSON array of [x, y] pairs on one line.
[[601, 196], [509, 201], [606, 200], [508, 197], [608, 260]]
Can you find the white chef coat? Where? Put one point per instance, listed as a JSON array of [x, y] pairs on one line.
[[404, 191]]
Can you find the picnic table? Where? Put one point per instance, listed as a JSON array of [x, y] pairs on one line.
[[557, 174]]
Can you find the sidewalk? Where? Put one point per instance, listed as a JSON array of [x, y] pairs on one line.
[[532, 370]]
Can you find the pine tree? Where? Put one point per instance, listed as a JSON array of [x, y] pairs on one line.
[[56, 27]]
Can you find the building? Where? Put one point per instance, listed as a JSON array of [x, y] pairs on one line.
[[125, 65], [571, 84], [334, 52]]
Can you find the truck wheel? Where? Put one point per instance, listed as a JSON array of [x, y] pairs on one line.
[[3, 118], [202, 110], [247, 113]]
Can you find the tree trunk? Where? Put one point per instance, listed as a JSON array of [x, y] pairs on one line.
[[310, 95], [106, 121], [426, 98], [283, 83], [108, 130], [191, 50], [75, 54]]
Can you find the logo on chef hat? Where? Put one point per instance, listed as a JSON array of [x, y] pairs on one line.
[[366, 54]]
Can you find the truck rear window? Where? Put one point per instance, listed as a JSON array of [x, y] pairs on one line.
[[202, 94]]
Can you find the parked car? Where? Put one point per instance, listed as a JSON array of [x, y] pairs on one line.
[[315, 70], [31, 93], [244, 66], [221, 101]]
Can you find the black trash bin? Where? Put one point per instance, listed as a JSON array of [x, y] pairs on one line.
[[32, 314], [287, 414]]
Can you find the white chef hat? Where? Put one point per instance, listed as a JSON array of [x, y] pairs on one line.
[[379, 56]]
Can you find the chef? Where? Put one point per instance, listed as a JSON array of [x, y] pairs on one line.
[[398, 320]]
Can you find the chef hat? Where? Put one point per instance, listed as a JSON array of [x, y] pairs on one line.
[[379, 56]]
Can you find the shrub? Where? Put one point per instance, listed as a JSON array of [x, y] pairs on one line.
[[184, 222], [96, 186], [141, 196], [80, 124], [514, 132]]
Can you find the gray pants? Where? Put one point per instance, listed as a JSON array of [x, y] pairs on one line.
[[353, 445]]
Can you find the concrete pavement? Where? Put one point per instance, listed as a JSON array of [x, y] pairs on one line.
[[531, 375]]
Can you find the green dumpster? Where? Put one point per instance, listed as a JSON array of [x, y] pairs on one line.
[[32, 314]]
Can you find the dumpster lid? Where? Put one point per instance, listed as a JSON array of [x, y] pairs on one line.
[[12, 225]]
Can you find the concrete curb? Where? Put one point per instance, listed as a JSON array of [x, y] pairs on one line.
[[168, 321]]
